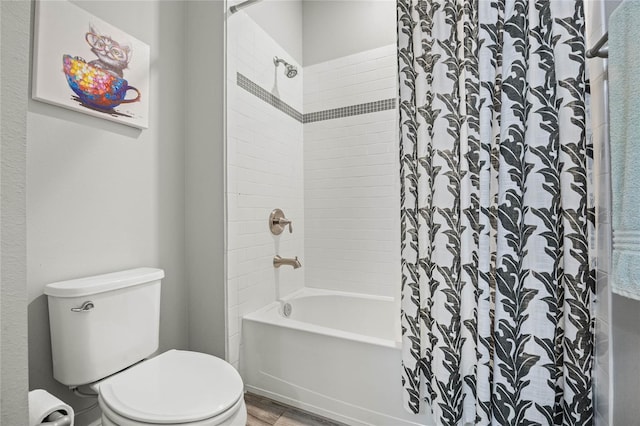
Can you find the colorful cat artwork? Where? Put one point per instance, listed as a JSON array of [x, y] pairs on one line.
[[100, 84]]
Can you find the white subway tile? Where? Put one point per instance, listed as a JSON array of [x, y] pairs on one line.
[[264, 171], [345, 173]]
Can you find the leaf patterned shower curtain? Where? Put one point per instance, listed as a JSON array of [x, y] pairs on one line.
[[496, 217]]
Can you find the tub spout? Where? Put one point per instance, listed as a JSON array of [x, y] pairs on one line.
[[279, 261]]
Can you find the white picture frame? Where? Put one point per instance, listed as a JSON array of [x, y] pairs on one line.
[[84, 64]]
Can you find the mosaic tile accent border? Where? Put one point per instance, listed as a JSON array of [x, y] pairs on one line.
[[312, 117], [274, 101], [359, 109]]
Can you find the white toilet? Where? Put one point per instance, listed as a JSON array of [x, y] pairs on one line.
[[103, 326]]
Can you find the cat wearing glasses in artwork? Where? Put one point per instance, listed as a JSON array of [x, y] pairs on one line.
[[112, 57]]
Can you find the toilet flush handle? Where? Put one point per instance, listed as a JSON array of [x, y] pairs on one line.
[[86, 306]]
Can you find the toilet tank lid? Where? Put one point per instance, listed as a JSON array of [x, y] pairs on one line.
[[102, 283]]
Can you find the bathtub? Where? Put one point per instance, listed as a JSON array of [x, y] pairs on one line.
[[337, 355]]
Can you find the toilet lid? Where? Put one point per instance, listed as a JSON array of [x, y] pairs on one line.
[[175, 387]]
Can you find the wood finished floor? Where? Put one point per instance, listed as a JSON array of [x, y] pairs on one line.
[[263, 411]]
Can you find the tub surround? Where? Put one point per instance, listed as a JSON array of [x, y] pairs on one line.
[[322, 146]]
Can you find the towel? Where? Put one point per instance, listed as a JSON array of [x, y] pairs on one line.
[[624, 113]]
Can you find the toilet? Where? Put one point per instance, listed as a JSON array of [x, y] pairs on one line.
[[104, 329]]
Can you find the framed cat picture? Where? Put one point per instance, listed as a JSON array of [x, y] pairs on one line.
[[87, 65]]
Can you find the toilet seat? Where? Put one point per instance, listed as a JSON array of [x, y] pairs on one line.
[[235, 416], [176, 387]]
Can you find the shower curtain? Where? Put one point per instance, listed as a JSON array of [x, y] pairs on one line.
[[496, 214]]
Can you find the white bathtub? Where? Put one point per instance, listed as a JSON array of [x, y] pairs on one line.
[[336, 355]]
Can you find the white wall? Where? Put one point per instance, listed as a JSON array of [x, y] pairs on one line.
[[282, 20], [333, 29], [352, 202], [14, 66], [264, 172], [105, 197], [313, 31], [204, 181]]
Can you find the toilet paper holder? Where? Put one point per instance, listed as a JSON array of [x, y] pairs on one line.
[[57, 419]]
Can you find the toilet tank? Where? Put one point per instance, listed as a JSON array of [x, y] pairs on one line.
[[103, 324]]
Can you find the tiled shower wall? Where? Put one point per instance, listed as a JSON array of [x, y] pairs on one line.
[[351, 184], [597, 69], [264, 172], [343, 177]]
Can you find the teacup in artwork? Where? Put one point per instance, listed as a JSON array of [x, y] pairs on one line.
[[96, 88]]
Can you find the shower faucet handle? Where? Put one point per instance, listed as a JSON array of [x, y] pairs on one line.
[[277, 222], [284, 222]]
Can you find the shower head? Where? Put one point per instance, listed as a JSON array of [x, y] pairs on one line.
[[290, 70]]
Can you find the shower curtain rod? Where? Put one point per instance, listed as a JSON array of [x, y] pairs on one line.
[[236, 7], [597, 50]]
